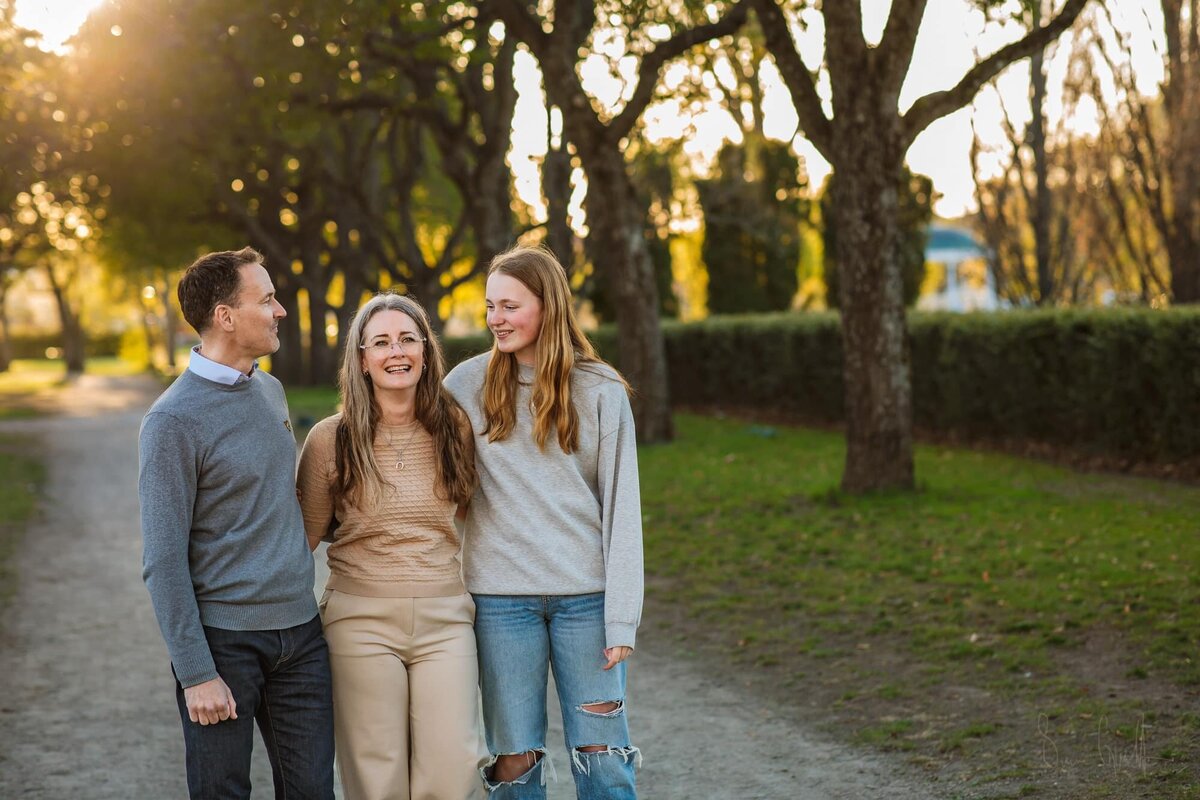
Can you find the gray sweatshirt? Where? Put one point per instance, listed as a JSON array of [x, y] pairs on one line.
[[545, 522], [223, 538]]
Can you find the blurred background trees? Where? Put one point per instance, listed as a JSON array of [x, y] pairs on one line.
[[669, 153]]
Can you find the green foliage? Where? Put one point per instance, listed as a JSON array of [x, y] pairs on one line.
[[1121, 383], [752, 229], [914, 214], [356, 145], [460, 348]]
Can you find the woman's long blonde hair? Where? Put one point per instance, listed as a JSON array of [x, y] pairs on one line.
[[358, 480], [561, 346]]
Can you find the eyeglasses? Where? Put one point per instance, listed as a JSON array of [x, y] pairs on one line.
[[408, 345]]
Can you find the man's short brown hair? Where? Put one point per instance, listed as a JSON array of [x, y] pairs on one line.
[[210, 281]]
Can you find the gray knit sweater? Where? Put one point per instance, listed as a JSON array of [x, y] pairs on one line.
[[223, 537], [548, 522]]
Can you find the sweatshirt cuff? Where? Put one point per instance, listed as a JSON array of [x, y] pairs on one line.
[[195, 671], [619, 634]]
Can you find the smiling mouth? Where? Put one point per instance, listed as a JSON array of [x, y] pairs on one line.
[[398, 369]]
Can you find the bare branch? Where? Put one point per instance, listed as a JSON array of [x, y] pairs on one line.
[[652, 63], [939, 104], [899, 37], [800, 82]]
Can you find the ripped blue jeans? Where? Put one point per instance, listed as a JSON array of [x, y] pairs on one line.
[[520, 637]]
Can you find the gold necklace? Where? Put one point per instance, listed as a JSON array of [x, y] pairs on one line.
[[400, 450]]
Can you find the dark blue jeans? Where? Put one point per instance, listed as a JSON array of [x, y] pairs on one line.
[[279, 679]]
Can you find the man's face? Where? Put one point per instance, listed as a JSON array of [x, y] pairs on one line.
[[257, 313]]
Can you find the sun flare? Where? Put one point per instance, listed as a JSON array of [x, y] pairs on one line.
[[56, 20]]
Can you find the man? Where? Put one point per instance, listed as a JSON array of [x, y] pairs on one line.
[[225, 556]]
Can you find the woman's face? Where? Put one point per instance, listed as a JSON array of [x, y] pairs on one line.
[[514, 316], [393, 351]]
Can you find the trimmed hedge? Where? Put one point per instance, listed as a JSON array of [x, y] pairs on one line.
[[1119, 382], [1113, 382]]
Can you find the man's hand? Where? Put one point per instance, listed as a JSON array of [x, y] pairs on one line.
[[210, 702], [616, 655]]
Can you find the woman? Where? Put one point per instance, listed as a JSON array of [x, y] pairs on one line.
[[384, 478], [553, 553]]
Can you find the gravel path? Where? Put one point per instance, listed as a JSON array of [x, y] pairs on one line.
[[87, 708]]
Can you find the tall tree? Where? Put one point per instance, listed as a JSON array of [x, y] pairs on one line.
[[1117, 232], [556, 36], [753, 206], [865, 140], [752, 212], [48, 203], [18, 105], [1159, 137], [1025, 214]]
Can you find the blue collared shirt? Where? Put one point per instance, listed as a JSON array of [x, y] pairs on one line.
[[217, 373]]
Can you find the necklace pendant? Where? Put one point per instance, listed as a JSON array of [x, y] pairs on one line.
[[399, 465]]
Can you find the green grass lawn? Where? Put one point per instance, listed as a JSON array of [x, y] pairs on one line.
[[1068, 601], [309, 405], [20, 480], [993, 558]]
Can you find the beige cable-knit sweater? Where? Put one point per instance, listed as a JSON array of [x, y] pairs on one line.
[[405, 547]]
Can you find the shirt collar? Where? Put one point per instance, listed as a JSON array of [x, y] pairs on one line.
[[217, 373]]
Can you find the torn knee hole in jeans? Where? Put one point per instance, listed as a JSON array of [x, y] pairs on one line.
[[603, 708], [535, 757], [579, 756]]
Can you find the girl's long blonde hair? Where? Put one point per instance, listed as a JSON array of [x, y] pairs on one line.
[[561, 346], [358, 480]]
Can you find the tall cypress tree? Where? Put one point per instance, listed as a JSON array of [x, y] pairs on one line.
[[752, 212]]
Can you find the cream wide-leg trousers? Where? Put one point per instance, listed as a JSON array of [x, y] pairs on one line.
[[405, 696]]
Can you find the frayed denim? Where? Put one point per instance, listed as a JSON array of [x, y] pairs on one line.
[[520, 638]]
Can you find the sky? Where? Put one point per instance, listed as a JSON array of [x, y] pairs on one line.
[[951, 37], [57, 20]]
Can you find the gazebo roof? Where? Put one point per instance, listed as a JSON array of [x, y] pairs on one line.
[[945, 239]]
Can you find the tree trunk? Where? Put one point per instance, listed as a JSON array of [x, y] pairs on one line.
[[492, 217], [170, 327], [354, 279], [72, 332], [1040, 211], [1181, 101], [148, 332], [616, 220], [5, 341], [426, 288], [556, 185], [74, 346], [322, 363], [876, 376], [287, 364], [1184, 255]]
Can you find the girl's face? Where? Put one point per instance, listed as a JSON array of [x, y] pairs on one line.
[[393, 352], [514, 316]]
